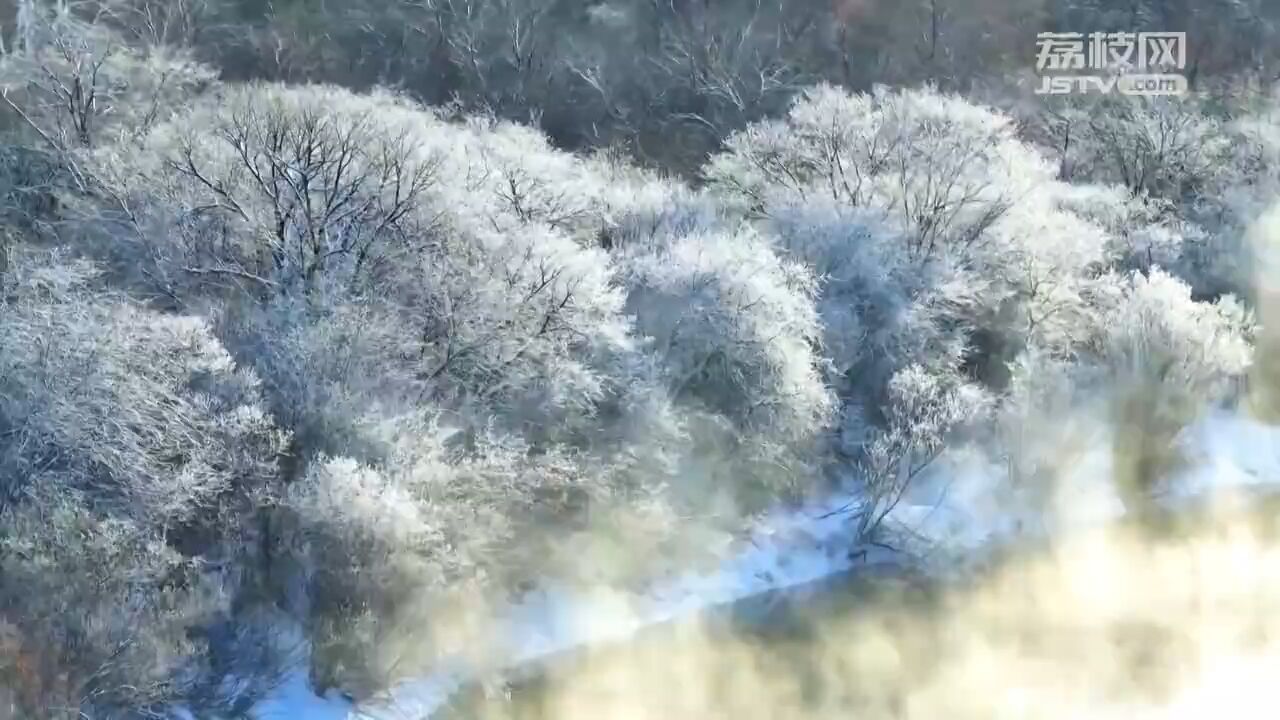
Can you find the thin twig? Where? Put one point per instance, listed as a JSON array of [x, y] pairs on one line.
[[232, 272]]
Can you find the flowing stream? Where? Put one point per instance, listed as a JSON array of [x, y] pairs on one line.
[[799, 554]]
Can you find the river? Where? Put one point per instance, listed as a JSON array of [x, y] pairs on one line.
[[1103, 625], [1119, 623]]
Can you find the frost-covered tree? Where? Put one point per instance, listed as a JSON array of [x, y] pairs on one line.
[[967, 203], [931, 163], [331, 374], [272, 190], [474, 240], [1168, 358], [322, 189], [133, 452], [944, 245], [1156, 362], [599, 344], [736, 343], [1241, 188], [497, 360], [75, 83], [735, 330], [921, 410], [488, 248], [101, 611], [71, 86], [1163, 146], [384, 548], [147, 388], [1186, 169]]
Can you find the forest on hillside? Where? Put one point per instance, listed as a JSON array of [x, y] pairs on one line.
[[332, 314]]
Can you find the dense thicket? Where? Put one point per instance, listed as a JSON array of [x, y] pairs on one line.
[[329, 316]]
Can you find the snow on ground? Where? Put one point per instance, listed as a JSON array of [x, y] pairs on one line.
[[1229, 454], [965, 503], [294, 700]]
